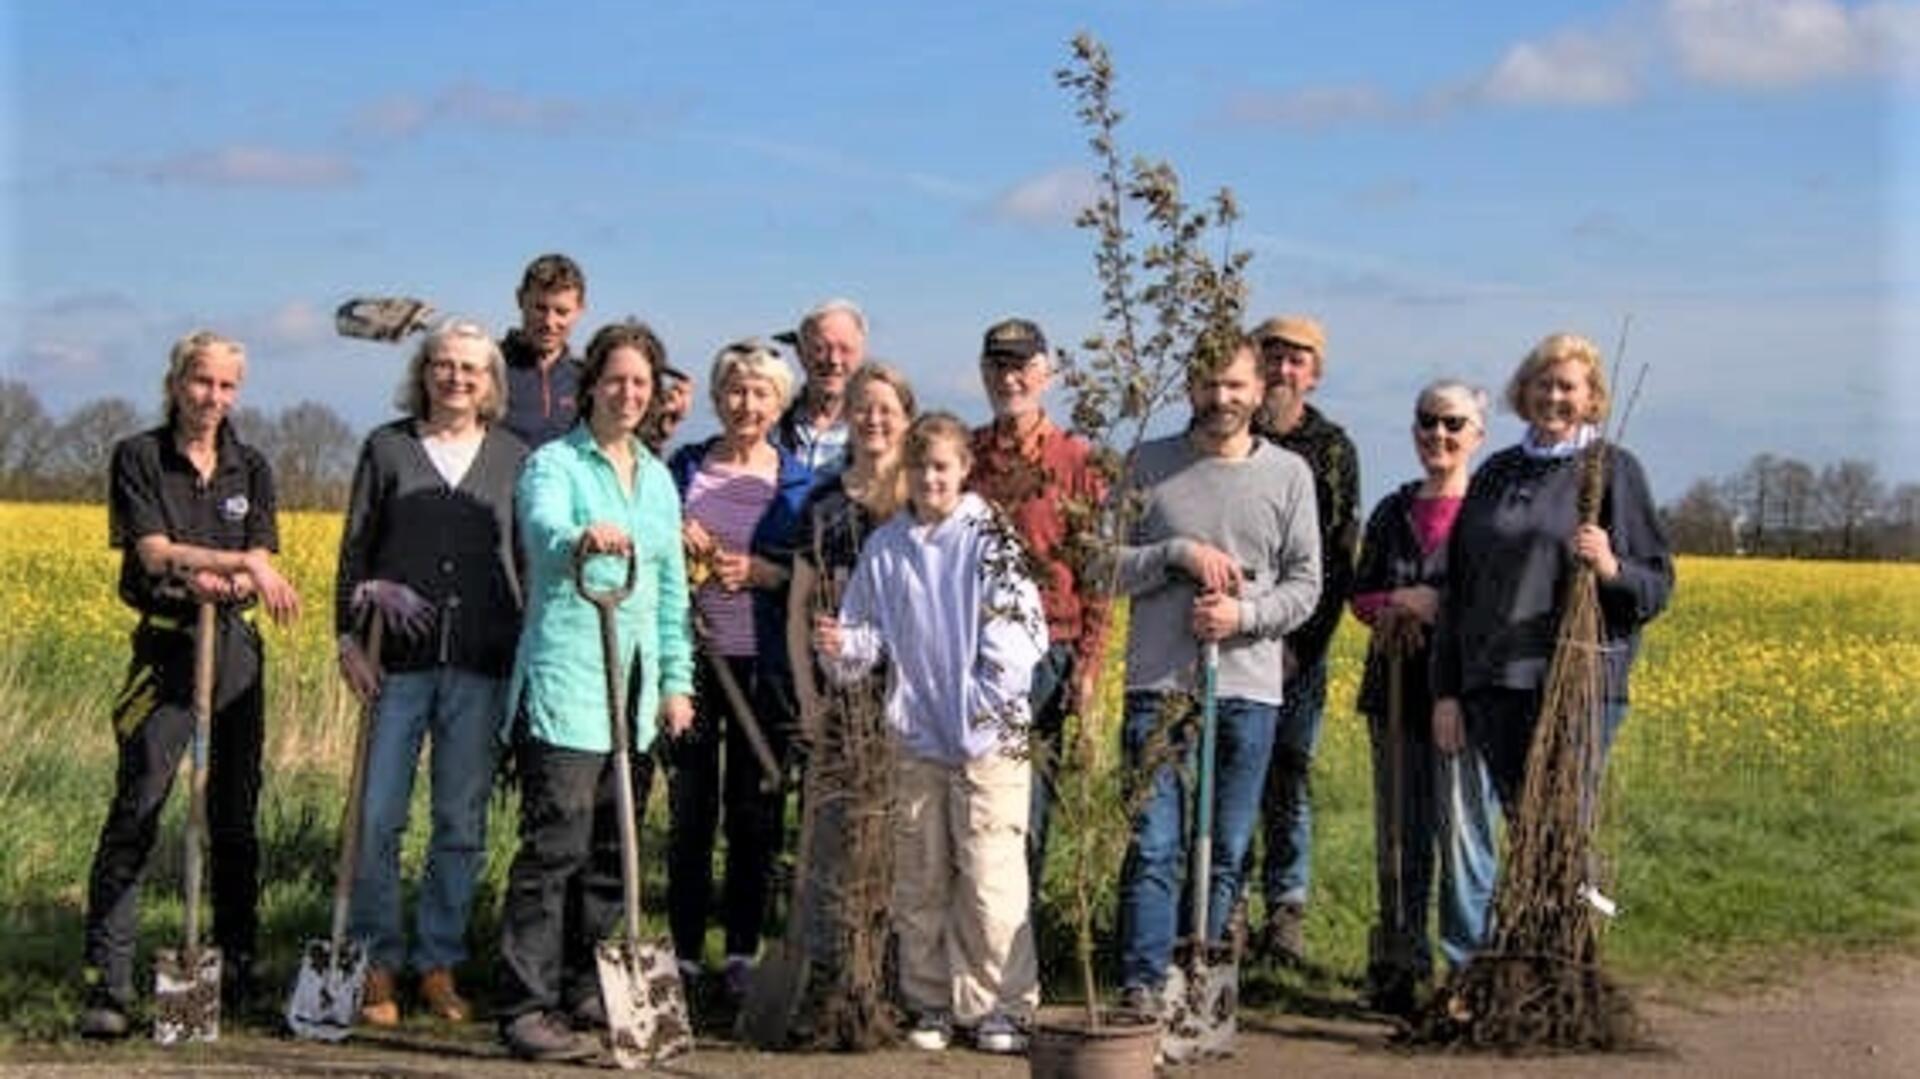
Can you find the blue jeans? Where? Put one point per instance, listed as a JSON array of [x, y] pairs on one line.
[[1469, 859], [1047, 700], [460, 710], [1153, 903], [1445, 816], [1287, 803]]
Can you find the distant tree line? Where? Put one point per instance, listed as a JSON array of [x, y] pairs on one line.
[[1776, 506], [65, 460], [1781, 507]]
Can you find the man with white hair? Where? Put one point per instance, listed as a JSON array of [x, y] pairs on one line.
[[832, 342], [1036, 473]]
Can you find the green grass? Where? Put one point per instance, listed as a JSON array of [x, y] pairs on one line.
[[1806, 847]]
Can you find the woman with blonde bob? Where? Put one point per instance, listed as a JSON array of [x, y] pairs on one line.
[[740, 495], [1518, 536], [429, 532]]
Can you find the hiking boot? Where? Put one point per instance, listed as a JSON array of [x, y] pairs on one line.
[[441, 998], [1283, 940], [932, 1030], [546, 1036], [736, 977], [378, 1005], [238, 976], [998, 1033], [105, 1016], [590, 1013], [1140, 1000]]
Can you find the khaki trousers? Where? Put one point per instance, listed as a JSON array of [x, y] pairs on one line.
[[960, 887]]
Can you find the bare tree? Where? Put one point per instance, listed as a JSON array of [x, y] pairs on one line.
[[312, 453], [1751, 493], [75, 465], [1900, 520], [1850, 495], [1701, 522], [1797, 490], [26, 433]]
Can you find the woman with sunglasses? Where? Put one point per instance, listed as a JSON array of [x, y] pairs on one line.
[[1424, 802]]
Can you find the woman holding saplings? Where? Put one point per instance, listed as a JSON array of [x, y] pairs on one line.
[[740, 496], [429, 538], [1518, 536], [1423, 801], [598, 490], [941, 595]]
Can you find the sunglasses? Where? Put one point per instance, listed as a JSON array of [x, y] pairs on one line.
[[1427, 421]]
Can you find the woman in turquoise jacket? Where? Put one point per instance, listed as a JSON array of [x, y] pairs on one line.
[[596, 488]]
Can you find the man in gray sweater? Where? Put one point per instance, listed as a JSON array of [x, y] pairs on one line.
[[1225, 548]]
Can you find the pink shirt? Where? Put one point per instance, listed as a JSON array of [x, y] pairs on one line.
[[728, 502], [1432, 520]]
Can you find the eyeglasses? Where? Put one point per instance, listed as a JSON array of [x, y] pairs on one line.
[[1427, 421]]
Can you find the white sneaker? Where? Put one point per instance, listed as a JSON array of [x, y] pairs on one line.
[[932, 1031], [999, 1034]]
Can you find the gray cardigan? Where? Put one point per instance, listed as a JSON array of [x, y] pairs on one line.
[[1259, 509], [453, 545]]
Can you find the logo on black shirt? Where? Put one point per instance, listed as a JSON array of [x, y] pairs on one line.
[[234, 508]]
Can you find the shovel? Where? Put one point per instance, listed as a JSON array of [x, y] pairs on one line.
[[333, 972], [770, 774], [1388, 946], [1203, 987], [382, 318], [646, 1005], [186, 991]]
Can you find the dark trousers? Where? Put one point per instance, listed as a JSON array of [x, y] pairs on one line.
[[564, 891], [153, 718], [700, 780], [1047, 700], [1501, 723]]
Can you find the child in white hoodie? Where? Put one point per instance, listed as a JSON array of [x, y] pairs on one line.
[[942, 595]]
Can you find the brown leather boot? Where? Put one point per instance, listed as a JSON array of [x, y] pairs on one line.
[[442, 999], [378, 1005]]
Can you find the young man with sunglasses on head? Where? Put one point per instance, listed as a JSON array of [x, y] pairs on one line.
[[1293, 351]]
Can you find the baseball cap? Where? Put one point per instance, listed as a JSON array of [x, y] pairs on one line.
[[1013, 339]]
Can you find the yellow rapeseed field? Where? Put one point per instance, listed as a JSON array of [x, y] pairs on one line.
[[1802, 673]]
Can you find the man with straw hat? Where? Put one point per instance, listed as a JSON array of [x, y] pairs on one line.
[[1293, 349]]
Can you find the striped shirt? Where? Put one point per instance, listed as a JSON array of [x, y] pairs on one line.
[[728, 502]]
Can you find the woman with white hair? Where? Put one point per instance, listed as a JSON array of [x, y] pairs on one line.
[[1425, 803], [430, 530], [741, 496]]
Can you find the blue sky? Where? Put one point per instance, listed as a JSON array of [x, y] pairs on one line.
[[1442, 189]]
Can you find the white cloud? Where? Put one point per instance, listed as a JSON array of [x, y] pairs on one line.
[[1739, 44], [1763, 44], [470, 103], [1311, 108], [295, 324], [245, 166], [1575, 68], [1055, 197]]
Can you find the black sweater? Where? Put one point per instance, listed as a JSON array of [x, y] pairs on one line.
[[1390, 558], [1507, 563], [453, 545]]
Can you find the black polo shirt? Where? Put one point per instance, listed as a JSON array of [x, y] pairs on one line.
[[154, 488]]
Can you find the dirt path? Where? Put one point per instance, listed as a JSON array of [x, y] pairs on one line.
[[1854, 1022]]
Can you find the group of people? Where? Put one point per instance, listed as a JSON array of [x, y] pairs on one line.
[[832, 538]]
